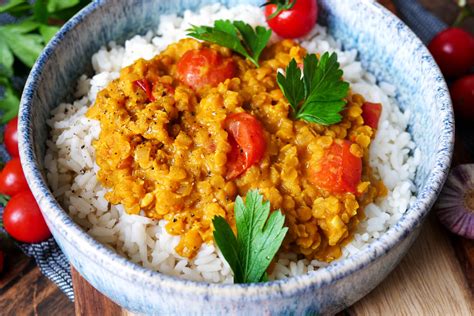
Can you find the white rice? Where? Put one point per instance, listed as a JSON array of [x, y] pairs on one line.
[[71, 168]]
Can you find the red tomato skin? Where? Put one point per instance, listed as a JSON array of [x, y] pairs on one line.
[[296, 22], [12, 179], [200, 67], [247, 141], [146, 87], [23, 220], [11, 137], [462, 94], [340, 170], [371, 113], [453, 50]]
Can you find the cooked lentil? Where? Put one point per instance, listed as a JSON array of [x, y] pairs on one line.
[[167, 157]]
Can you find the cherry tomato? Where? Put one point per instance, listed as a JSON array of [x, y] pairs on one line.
[[2, 258], [453, 50], [12, 179], [295, 22], [462, 94], [371, 113], [339, 171], [10, 137], [247, 141], [205, 66], [23, 220]]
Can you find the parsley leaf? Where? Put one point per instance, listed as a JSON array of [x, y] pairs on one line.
[[238, 36], [9, 103], [259, 236], [318, 96]]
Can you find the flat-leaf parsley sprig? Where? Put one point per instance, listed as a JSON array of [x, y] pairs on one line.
[[259, 236], [318, 95], [237, 35]]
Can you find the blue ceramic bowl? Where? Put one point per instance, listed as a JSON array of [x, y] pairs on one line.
[[387, 48]]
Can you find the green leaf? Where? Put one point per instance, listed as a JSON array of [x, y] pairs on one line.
[[12, 5], [40, 11], [292, 85], [6, 59], [26, 47], [23, 27], [47, 32], [259, 237], [237, 35], [323, 89], [58, 5], [255, 40], [227, 243], [9, 104]]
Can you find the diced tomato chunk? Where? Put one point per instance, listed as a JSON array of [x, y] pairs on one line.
[[339, 171], [247, 141], [371, 113], [205, 66], [145, 86]]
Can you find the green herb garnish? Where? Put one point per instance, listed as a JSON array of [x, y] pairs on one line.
[[23, 40], [259, 236], [281, 5], [237, 35], [318, 95]]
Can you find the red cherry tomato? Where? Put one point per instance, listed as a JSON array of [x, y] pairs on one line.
[[339, 171], [371, 113], [23, 220], [205, 66], [10, 137], [462, 94], [453, 50], [295, 22], [12, 179], [247, 141]]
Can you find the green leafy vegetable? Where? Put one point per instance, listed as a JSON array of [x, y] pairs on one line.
[[318, 95], [24, 40], [259, 236], [238, 36], [281, 5], [4, 200]]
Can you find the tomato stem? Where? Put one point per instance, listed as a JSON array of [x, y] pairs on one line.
[[464, 13], [281, 5]]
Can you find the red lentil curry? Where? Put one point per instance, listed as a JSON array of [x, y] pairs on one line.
[[184, 133]]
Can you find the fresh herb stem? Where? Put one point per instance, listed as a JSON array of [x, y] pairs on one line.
[[281, 5]]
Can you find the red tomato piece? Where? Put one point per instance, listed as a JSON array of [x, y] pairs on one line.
[[462, 94], [295, 22], [340, 171], [10, 137], [205, 66], [247, 141], [145, 86], [371, 113], [12, 179], [453, 50], [23, 220]]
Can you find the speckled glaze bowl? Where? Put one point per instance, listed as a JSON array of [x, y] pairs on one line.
[[387, 48]]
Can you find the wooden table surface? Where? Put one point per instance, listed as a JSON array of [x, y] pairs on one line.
[[435, 278]]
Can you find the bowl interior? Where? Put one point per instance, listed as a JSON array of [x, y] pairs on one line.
[[386, 48]]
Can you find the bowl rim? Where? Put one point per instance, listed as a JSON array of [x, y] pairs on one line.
[[131, 272]]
